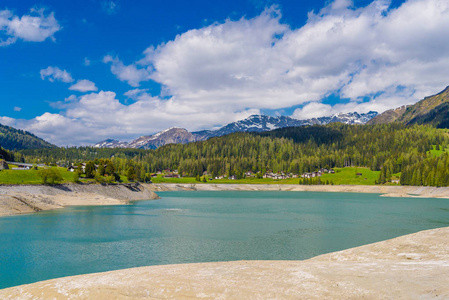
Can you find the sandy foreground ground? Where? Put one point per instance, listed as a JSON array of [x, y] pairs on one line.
[[387, 191], [21, 199], [414, 266]]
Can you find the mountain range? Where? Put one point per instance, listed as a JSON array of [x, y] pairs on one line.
[[432, 110], [254, 123]]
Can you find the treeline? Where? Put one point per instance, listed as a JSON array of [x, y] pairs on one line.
[[65, 155], [6, 154], [391, 148], [109, 170], [430, 171]]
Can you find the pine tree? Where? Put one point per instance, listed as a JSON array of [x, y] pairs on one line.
[[130, 174]]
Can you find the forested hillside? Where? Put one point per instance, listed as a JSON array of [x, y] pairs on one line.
[[391, 148], [11, 138], [433, 110], [6, 155]]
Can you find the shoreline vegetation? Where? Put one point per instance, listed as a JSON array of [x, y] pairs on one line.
[[382, 154], [413, 266], [23, 199]]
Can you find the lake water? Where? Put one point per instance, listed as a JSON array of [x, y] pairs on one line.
[[188, 227]]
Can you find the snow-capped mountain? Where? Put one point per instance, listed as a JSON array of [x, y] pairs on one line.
[[110, 143], [172, 135], [259, 123], [254, 123], [346, 118]]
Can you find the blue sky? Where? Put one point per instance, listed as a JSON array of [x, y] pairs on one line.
[[77, 72]]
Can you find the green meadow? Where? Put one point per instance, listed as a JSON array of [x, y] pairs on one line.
[[341, 176], [29, 176], [437, 152], [349, 176]]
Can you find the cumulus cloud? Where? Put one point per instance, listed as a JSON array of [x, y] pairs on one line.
[[17, 109], [312, 110], [35, 27], [375, 57], [83, 85], [56, 74], [358, 53], [135, 93], [90, 118], [131, 74]]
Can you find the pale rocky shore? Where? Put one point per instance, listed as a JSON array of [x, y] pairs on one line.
[[22, 199], [414, 266], [387, 191]]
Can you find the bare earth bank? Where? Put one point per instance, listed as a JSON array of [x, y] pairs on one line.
[[20, 199], [409, 267], [388, 191]]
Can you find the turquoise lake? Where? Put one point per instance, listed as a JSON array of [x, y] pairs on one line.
[[189, 227]]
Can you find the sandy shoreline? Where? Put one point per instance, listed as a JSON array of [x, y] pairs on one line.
[[387, 191], [409, 267], [414, 266], [23, 199]]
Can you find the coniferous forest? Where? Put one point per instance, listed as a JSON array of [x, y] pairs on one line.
[[391, 148], [11, 138]]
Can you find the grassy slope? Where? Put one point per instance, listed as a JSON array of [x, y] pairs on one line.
[[342, 176], [431, 110], [348, 176], [414, 113], [28, 176], [435, 153]]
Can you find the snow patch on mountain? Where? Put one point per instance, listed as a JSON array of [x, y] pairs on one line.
[[254, 123], [110, 143]]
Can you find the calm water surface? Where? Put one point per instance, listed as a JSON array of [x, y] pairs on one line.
[[187, 227]]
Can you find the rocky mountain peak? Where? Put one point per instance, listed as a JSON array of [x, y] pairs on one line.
[[254, 123]]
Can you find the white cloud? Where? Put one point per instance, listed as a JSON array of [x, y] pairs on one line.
[[312, 110], [17, 109], [93, 117], [135, 93], [36, 27], [55, 73], [84, 85], [131, 74], [377, 57], [86, 62], [263, 64]]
